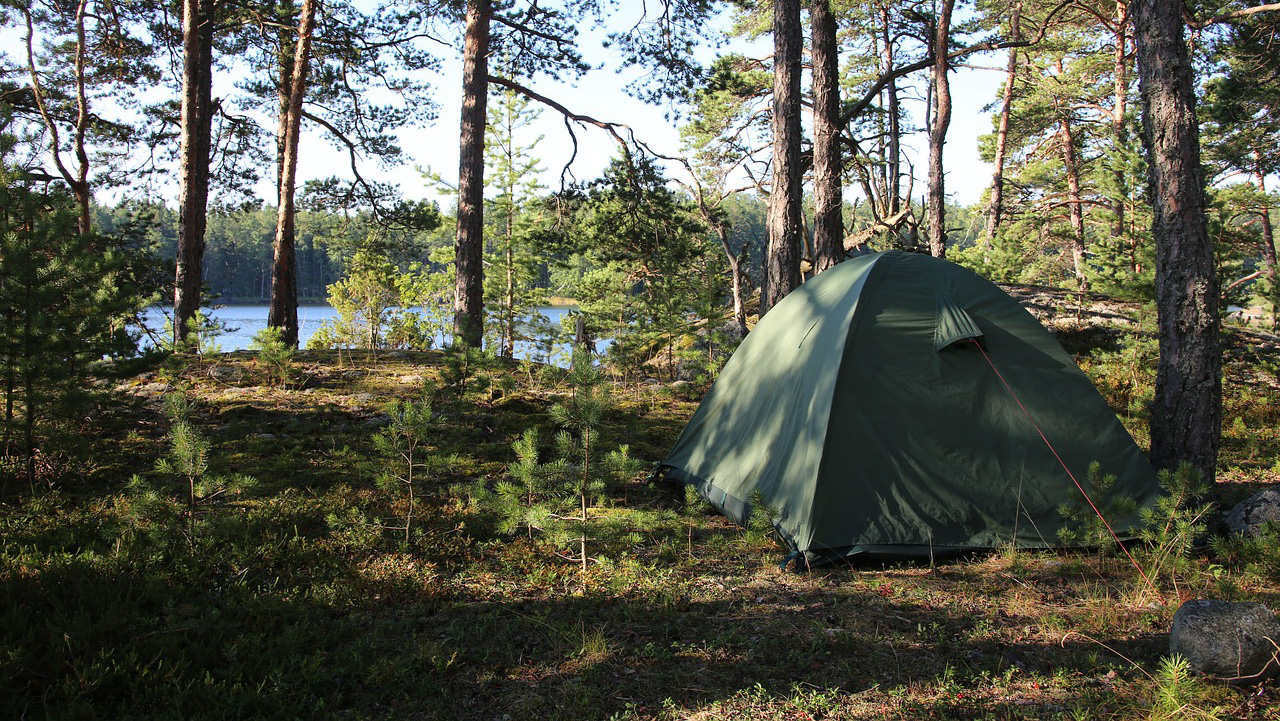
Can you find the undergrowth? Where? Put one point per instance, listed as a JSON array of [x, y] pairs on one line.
[[320, 592]]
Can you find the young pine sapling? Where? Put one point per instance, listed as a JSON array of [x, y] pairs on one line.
[[405, 444]]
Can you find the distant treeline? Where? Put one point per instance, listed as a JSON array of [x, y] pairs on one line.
[[238, 249]]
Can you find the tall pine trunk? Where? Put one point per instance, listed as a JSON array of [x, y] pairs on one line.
[[509, 287], [196, 126], [894, 152], [782, 265], [995, 209], [283, 312], [1268, 241], [1075, 203], [938, 131], [79, 180], [738, 282], [84, 197], [1119, 131], [468, 303], [1186, 415], [828, 223]]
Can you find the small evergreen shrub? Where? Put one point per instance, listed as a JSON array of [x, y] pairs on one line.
[[1175, 522], [186, 461], [275, 355], [404, 443], [1087, 527]]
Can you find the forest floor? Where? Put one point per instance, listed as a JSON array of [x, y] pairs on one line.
[[301, 596]]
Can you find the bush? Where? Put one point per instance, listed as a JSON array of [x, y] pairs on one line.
[[275, 354]]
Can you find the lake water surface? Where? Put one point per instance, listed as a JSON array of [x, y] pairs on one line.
[[244, 321]]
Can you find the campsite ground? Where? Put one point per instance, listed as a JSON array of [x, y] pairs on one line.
[[301, 597]]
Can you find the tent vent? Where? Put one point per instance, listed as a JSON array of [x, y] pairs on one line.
[[952, 325]]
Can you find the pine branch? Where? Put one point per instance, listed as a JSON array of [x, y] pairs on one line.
[[1228, 17], [929, 61], [353, 155], [569, 117]]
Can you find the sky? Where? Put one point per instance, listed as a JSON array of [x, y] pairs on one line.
[[601, 94]]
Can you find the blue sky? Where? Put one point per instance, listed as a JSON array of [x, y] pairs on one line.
[[600, 94]]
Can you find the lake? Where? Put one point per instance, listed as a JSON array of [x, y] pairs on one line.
[[244, 321]]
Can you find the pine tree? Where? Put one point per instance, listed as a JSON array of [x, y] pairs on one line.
[[655, 270], [512, 170], [187, 459], [404, 443], [1186, 417], [66, 301]]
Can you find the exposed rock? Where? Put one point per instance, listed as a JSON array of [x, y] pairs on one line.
[[1252, 514], [1226, 640], [227, 374]]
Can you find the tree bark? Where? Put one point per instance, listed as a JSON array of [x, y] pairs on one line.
[[1186, 415], [286, 45], [738, 279], [283, 312], [782, 266], [1268, 240], [196, 125], [468, 304], [894, 161], [1119, 131], [81, 187], [938, 131], [1075, 203], [828, 223], [78, 181], [995, 209]]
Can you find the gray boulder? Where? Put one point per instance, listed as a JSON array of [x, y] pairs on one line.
[[1226, 640], [1252, 514], [227, 374]]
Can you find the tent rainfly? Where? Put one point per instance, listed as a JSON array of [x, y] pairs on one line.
[[901, 406]]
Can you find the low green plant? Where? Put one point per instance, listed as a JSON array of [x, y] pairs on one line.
[[583, 412], [554, 499], [187, 458], [404, 443], [1253, 555], [202, 335], [1174, 522], [693, 509], [274, 354], [1087, 526], [1126, 377], [533, 493], [1177, 694], [467, 370], [760, 521]]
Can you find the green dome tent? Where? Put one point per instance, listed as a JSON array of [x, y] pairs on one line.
[[900, 406]]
